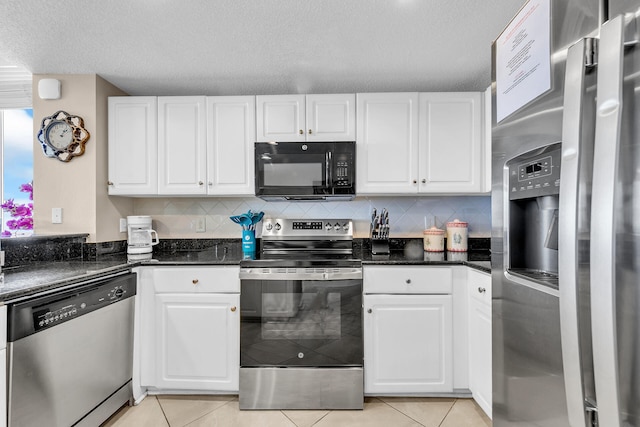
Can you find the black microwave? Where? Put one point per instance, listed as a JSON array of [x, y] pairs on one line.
[[305, 170]]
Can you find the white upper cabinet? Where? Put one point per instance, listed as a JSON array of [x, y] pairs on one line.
[[451, 142], [133, 149], [387, 143], [182, 145], [331, 117], [410, 143], [296, 118], [231, 132]]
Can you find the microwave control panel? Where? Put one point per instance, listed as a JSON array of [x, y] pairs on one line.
[[343, 170], [534, 175]]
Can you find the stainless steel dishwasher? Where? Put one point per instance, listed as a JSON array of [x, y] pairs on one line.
[[70, 353]]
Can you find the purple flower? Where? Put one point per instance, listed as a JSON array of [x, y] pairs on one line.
[[7, 205], [21, 210], [21, 214]]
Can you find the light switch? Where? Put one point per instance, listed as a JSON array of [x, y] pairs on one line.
[[123, 225], [56, 215]]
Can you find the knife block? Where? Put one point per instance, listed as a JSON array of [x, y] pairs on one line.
[[380, 246]]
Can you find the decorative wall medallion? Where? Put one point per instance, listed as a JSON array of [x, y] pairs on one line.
[[63, 136]]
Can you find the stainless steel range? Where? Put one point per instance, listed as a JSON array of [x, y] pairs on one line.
[[301, 318]]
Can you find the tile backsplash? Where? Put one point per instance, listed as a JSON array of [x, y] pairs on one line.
[[177, 217]]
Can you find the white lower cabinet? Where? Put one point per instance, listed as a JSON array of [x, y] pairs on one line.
[[197, 335], [189, 328], [408, 331], [480, 370], [408, 344]]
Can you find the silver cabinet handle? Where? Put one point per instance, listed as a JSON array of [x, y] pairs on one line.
[[109, 183], [424, 181], [408, 281], [301, 132], [605, 172], [482, 290], [195, 281], [310, 132], [573, 153], [200, 183]]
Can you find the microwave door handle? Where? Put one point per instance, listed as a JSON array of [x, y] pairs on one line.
[[572, 153], [328, 169]]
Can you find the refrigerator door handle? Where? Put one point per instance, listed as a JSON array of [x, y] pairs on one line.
[[614, 36], [578, 56]]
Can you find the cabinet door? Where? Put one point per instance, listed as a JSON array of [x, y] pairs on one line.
[[480, 354], [331, 117], [133, 150], [280, 118], [451, 142], [181, 145], [231, 133], [408, 346], [198, 345], [387, 143]]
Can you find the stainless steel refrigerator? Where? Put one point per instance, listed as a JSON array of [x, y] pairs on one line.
[[566, 220]]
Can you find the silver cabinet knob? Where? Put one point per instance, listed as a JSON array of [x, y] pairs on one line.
[[109, 183], [415, 181], [424, 181], [310, 132], [210, 183], [408, 281], [482, 290], [200, 183], [301, 132], [195, 281], [369, 311]]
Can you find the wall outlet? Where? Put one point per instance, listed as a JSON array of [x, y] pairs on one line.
[[56, 215], [123, 225], [201, 226]]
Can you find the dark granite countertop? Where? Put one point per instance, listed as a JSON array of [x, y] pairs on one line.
[[36, 277], [39, 277]]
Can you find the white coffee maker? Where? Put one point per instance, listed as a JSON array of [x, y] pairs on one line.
[[141, 237]]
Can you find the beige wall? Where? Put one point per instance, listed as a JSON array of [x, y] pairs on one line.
[[79, 186]]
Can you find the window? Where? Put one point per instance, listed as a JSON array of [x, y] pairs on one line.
[[16, 140]]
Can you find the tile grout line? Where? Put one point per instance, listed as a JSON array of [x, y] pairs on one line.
[[448, 412], [398, 410], [204, 415], [162, 409]]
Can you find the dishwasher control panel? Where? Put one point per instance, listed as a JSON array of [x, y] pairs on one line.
[[42, 312]]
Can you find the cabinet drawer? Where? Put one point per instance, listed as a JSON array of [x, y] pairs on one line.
[[479, 285], [407, 280], [197, 279]]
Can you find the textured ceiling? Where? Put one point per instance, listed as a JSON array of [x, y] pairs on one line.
[[243, 47]]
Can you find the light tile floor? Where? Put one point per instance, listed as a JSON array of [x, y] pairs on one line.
[[222, 411]]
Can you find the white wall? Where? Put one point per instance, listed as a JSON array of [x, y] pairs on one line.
[[175, 217], [79, 186]]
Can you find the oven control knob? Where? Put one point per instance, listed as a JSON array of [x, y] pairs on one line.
[[300, 355], [118, 293], [268, 226], [345, 226], [327, 226], [278, 226], [337, 226]]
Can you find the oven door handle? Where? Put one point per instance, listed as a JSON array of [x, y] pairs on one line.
[[300, 274]]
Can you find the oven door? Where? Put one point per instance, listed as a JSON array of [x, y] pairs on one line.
[[300, 321]]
